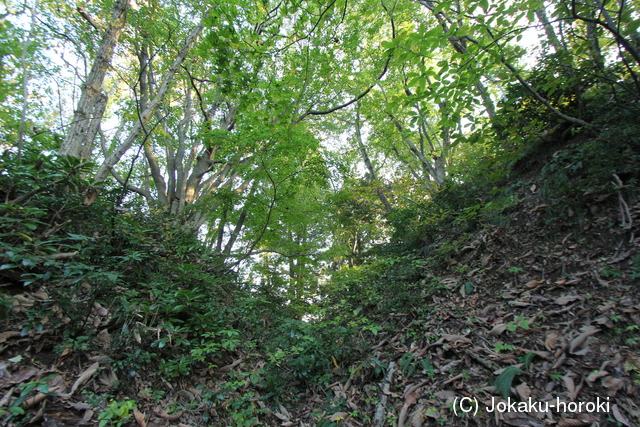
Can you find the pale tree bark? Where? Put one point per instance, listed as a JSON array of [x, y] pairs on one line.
[[460, 46], [630, 44], [552, 38], [146, 115], [367, 161], [429, 151], [442, 19], [91, 106], [25, 79]]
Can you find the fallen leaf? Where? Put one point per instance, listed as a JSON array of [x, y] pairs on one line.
[[485, 260], [571, 422], [551, 340], [82, 379], [523, 391], [567, 299], [140, 417], [281, 417], [619, 416], [596, 375], [569, 384], [410, 399], [582, 338], [100, 309], [6, 335], [497, 329], [520, 420], [23, 374], [456, 338], [532, 284], [338, 416], [445, 394], [613, 384]]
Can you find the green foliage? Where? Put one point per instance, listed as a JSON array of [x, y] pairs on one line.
[[306, 352], [14, 411], [116, 414], [583, 175], [505, 379]]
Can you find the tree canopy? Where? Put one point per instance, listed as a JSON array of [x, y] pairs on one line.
[[289, 151]]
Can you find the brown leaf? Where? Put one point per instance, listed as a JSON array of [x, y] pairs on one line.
[[108, 378], [571, 422], [65, 353], [140, 417], [497, 329], [551, 340], [172, 417], [338, 416], [613, 384], [84, 377], [596, 375], [100, 309], [90, 196], [540, 208], [281, 417], [485, 260], [532, 284], [34, 400], [520, 420], [410, 399], [604, 321], [619, 416], [578, 341], [567, 299], [569, 384], [456, 338], [523, 391], [6, 335]]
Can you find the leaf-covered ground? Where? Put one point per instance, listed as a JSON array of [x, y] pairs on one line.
[[544, 316]]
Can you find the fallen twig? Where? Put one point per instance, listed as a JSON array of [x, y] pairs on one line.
[[378, 420]]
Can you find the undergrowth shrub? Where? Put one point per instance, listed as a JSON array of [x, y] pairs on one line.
[[127, 271], [306, 352]]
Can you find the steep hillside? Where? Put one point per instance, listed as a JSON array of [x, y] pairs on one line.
[[527, 295]]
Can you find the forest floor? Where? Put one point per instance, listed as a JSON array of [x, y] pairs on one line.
[[538, 325]]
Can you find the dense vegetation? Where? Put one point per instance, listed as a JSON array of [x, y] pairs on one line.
[[265, 213]]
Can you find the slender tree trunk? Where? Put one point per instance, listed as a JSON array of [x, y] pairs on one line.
[[552, 38], [91, 106], [146, 115], [25, 79], [367, 162]]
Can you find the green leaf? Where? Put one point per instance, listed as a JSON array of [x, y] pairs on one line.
[[504, 380], [529, 358]]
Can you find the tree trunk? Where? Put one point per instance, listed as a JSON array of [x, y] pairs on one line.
[[146, 115], [367, 162], [91, 106]]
